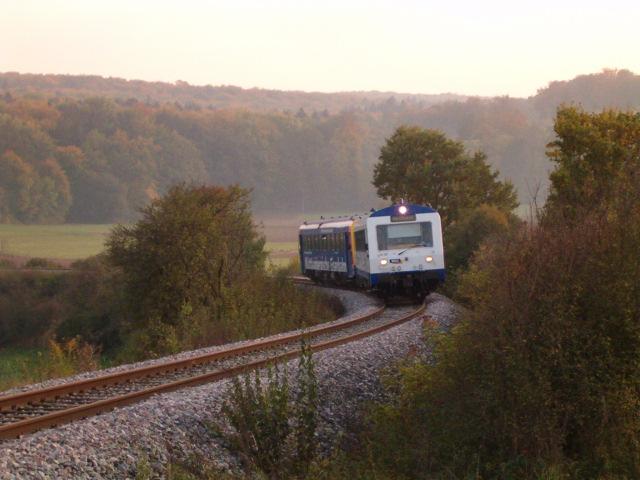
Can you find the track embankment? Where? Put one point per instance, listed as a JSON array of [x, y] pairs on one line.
[[109, 445], [28, 411]]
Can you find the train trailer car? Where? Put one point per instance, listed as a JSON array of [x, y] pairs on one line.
[[397, 250], [326, 251]]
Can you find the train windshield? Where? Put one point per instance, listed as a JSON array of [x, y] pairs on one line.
[[406, 235]]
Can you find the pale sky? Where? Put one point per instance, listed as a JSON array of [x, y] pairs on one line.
[[469, 47]]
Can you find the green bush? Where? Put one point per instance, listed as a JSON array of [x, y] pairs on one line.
[[43, 263], [85, 302], [273, 432], [30, 304], [6, 263], [462, 239], [257, 306], [59, 359], [190, 247], [94, 298]]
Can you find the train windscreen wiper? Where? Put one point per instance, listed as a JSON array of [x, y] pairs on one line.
[[421, 244]]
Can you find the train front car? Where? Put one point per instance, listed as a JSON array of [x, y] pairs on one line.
[[399, 250]]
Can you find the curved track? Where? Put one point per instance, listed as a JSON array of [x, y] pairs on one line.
[[29, 411]]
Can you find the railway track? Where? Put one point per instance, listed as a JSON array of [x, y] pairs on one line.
[[29, 411]]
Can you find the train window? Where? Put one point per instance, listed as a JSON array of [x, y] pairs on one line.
[[334, 241], [381, 234], [427, 233], [361, 242], [404, 235]]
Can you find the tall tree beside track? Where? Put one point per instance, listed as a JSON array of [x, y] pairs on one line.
[[597, 159], [189, 247], [424, 166]]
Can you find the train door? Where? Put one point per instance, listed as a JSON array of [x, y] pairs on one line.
[[362, 257]]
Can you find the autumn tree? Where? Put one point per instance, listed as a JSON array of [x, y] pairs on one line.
[[597, 157], [474, 227], [188, 248], [424, 166], [16, 181]]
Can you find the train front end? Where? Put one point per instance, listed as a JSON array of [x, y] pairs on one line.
[[405, 250]]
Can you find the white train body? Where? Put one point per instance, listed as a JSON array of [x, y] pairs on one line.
[[395, 249], [402, 249]]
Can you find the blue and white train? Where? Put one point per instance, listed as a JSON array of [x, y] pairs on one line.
[[395, 250]]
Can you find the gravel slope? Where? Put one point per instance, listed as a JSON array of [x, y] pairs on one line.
[[176, 423]]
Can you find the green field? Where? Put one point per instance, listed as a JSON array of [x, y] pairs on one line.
[[53, 241], [278, 249], [80, 241], [281, 253], [17, 365]]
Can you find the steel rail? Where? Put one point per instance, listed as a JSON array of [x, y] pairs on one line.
[[65, 416], [15, 400]]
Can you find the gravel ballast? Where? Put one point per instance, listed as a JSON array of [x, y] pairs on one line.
[[176, 424]]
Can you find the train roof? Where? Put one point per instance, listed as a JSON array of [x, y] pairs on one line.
[[343, 222], [326, 224], [392, 210]]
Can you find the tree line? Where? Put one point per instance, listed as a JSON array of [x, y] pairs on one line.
[[99, 161], [206, 96], [66, 156]]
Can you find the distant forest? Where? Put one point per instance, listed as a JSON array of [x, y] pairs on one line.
[[87, 149]]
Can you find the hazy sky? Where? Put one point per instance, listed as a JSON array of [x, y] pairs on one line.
[[472, 47]]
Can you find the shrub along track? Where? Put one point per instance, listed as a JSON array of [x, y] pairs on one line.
[[33, 410]]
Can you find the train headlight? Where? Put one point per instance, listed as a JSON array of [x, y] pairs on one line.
[[429, 259], [383, 261], [402, 210]]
